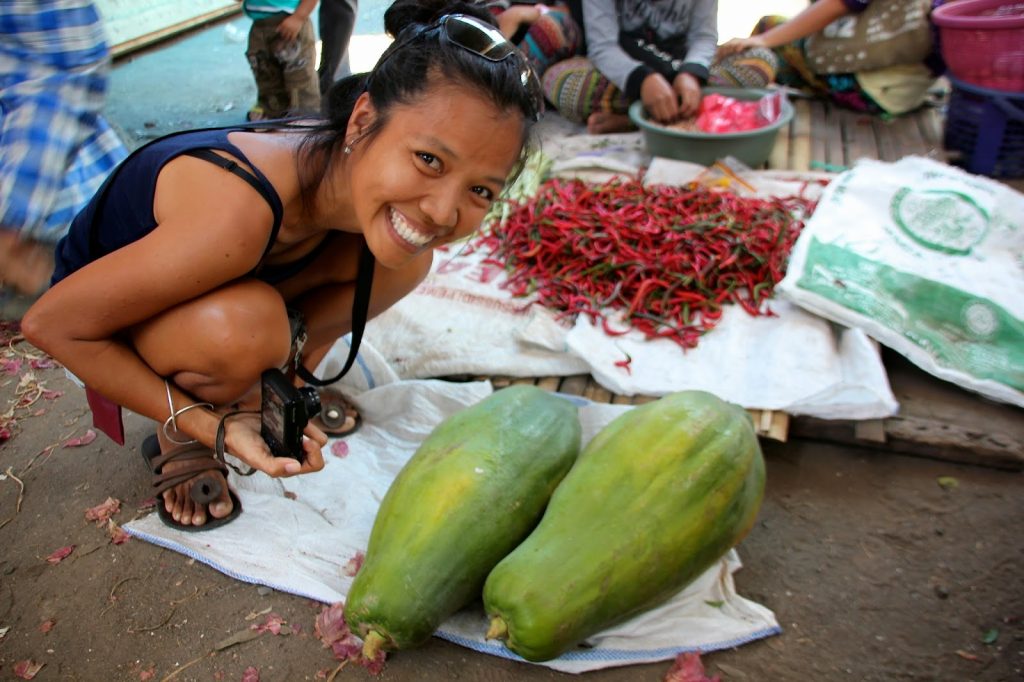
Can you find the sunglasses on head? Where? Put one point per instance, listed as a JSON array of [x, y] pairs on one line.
[[483, 40]]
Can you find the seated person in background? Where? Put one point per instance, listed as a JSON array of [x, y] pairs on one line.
[[894, 83], [658, 52], [545, 32]]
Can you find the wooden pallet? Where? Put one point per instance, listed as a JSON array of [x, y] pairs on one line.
[[826, 138], [770, 424]]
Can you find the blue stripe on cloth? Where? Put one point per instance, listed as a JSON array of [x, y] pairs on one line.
[[621, 656], [189, 552], [612, 656]]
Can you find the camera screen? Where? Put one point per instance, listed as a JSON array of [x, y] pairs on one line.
[[273, 414]]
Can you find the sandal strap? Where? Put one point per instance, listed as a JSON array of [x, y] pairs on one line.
[[200, 459]]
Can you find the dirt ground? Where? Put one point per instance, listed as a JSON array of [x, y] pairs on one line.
[[877, 566]]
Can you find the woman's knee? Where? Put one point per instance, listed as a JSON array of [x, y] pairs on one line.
[[249, 325], [552, 38], [231, 334], [572, 85]]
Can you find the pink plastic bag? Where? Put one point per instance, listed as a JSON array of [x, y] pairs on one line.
[[721, 114]]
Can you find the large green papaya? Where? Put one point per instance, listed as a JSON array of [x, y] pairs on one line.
[[659, 495], [471, 492]]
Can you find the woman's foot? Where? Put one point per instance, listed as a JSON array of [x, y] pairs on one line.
[[178, 502], [199, 499], [602, 123], [337, 416]]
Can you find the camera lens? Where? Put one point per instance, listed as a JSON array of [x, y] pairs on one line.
[[311, 400]]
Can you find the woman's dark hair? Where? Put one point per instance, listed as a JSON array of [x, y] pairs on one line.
[[406, 70]]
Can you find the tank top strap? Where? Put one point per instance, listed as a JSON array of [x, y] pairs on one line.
[[256, 180]]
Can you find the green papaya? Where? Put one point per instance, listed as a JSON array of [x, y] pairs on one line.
[[475, 487], [659, 495]]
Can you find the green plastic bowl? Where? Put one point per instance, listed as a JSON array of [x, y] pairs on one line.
[[752, 147]]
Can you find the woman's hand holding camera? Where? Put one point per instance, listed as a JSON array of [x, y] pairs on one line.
[[242, 438]]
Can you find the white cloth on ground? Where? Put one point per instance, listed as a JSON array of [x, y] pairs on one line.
[[297, 534]]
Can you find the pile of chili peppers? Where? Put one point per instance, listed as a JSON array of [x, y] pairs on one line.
[[666, 257]]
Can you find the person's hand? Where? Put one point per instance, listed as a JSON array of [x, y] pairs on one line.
[[289, 28], [511, 19], [738, 45], [243, 440], [660, 100], [688, 87]]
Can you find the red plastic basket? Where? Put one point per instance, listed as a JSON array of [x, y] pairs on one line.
[[983, 42]]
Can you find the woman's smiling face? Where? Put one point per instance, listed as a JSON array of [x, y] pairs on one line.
[[431, 173]]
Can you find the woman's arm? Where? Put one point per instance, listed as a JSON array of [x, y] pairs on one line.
[[212, 229], [701, 38], [813, 19], [601, 23]]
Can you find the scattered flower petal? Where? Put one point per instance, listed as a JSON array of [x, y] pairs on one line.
[[688, 668], [10, 366], [339, 449], [948, 482], [147, 674], [330, 625], [102, 512], [332, 630], [118, 535], [47, 625], [376, 664], [26, 670], [52, 395], [146, 504], [86, 438], [42, 363], [271, 624], [251, 674], [60, 554], [967, 656], [353, 565]]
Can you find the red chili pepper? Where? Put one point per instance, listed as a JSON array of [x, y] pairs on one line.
[[666, 257]]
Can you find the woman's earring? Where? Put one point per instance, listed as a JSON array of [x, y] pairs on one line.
[[347, 149]]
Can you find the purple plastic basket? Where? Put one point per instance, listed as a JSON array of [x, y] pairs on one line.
[[987, 128]]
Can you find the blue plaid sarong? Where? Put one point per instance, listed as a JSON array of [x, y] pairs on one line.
[[56, 148]]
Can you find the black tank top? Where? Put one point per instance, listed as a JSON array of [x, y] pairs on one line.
[[121, 211]]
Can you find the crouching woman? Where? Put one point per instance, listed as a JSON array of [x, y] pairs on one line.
[[209, 256]]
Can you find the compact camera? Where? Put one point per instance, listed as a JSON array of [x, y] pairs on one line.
[[284, 412]]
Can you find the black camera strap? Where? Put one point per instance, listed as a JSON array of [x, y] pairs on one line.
[[360, 311]]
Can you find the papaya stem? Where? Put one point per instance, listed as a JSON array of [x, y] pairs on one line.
[[498, 629], [373, 643]]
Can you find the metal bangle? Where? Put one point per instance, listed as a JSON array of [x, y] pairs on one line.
[[171, 421]]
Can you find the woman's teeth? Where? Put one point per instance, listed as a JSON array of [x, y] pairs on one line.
[[407, 232]]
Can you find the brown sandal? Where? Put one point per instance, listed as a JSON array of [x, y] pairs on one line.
[[205, 489], [337, 416]]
